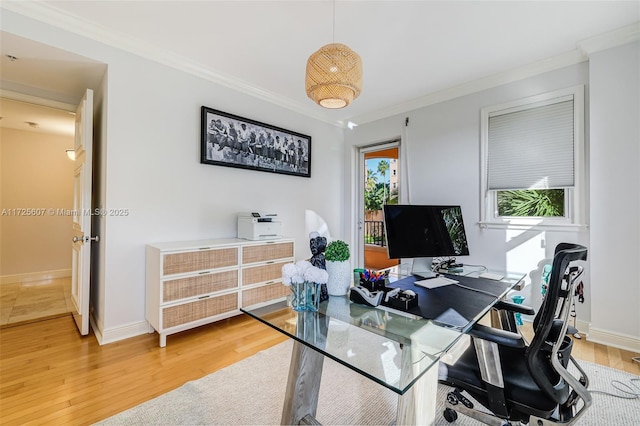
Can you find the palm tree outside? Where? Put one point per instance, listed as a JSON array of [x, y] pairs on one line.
[[383, 167], [381, 187], [531, 203]]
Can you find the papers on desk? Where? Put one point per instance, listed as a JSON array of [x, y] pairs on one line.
[[491, 276], [435, 282]]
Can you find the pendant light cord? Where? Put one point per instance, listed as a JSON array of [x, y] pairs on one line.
[[333, 40]]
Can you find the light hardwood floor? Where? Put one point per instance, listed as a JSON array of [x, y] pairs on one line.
[[51, 375]]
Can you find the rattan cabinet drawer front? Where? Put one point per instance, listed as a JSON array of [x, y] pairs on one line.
[[264, 294], [198, 285], [179, 263], [263, 273], [264, 252], [199, 309], [193, 283]]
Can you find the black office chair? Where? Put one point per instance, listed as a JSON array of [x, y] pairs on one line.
[[519, 381], [504, 312]]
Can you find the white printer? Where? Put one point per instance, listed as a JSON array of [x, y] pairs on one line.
[[259, 226]]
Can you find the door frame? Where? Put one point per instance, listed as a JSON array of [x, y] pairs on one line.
[[70, 108], [358, 191]]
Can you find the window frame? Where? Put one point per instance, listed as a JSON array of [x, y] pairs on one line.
[[574, 197]]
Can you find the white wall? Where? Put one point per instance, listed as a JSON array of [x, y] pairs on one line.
[[37, 174], [615, 193], [152, 168], [442, 145]]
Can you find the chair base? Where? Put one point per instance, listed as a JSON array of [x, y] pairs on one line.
[[480, 416], [458, 403]]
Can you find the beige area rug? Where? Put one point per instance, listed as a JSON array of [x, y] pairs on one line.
[[251, 392]]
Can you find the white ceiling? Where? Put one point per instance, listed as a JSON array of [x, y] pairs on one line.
[[36, 118], [409, 49]]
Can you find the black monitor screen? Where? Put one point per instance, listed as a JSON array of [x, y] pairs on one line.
[[424, 231]]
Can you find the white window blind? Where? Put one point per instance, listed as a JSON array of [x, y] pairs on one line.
[[532, 148]]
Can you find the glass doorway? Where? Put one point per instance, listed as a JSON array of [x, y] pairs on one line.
[[380, 186]]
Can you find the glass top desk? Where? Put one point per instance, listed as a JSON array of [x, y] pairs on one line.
[[395, 349]]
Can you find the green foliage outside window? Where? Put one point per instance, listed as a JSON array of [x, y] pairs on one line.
[[374, 199], [531, 203], [383, 167], [376, 195]]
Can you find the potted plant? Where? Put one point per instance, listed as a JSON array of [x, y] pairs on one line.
[[337, 259]]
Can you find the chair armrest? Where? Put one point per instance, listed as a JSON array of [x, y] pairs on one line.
[[503, 305], [498, 336]]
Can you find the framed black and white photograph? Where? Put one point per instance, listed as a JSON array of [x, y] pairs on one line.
[[233, 141]]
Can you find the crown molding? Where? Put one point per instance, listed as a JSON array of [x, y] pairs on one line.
[[41, 11], [584, 49], [615, 38], [560, 61], [46, 13]]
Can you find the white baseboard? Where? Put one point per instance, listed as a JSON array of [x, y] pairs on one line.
[[35, 276], [617, 340], [120, 333], [96, 326]]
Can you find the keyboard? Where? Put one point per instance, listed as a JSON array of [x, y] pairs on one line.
[[491, 276], [435, 282]]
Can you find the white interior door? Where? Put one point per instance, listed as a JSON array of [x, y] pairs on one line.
[[82, 238]]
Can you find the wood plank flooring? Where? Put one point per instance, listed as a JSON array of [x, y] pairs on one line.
[[619, 359], [51, 375]]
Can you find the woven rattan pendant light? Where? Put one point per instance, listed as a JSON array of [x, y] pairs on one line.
[[334, 74]]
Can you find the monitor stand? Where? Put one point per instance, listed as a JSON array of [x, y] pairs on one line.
[[421, 268]]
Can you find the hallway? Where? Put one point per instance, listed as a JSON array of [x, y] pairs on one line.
[[34, 300]]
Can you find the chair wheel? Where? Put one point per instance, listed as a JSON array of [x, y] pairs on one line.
[[452, 398], [450, 415]]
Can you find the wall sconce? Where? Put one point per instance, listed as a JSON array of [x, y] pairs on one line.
[[71, 153]]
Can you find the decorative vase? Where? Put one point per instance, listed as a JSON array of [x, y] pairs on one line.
[[305, 296], [340, 275]]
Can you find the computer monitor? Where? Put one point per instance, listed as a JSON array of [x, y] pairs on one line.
[[423, 232]]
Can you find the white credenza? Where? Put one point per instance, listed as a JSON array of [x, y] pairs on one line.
[[192, 283]]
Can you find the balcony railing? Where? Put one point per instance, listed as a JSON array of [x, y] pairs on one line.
[[374, 233]]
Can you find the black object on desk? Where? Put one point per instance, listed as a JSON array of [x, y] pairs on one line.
[[363, 296], [453, 305], [403, 300]]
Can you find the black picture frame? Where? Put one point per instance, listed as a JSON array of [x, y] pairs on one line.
[[234, 141]]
